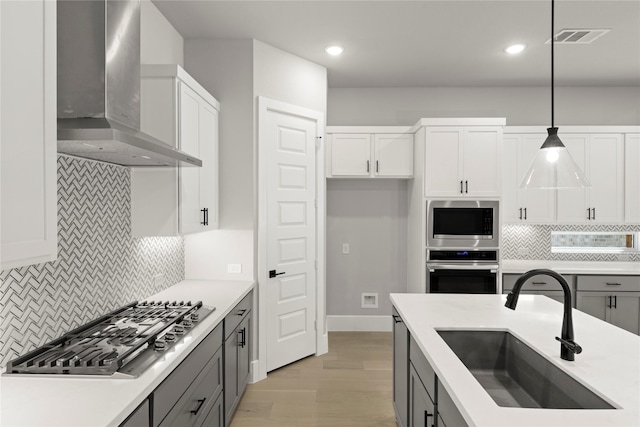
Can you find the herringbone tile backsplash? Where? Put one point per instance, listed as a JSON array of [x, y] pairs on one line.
[[99, 267]]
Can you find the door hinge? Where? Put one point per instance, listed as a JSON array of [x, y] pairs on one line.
[[318, 141]]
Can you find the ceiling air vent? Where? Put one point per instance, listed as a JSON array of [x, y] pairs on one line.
[[578, 36]]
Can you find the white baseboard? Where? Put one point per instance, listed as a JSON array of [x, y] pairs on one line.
[[359, 323], [256, 375]]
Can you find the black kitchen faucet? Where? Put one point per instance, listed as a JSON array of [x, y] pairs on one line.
[[568, 347]]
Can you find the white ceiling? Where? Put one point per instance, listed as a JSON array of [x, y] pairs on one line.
[[431, 43]]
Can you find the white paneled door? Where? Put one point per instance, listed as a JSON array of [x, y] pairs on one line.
[[290, 141]]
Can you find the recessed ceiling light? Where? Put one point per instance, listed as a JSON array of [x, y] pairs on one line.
[[334, 50], [515, 48]]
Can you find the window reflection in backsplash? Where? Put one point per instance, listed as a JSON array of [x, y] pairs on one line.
[[534, 242], [591, 240]]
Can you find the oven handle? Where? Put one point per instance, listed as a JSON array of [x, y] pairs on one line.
[[493, 268]]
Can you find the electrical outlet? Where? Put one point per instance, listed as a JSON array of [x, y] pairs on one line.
[[523, 251], [345, 248], [158, 280], [234, 268], [369, 300]]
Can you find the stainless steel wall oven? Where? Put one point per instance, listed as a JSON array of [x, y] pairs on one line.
[[462, 271]]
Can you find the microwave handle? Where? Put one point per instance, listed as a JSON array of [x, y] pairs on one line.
[[492, 267]]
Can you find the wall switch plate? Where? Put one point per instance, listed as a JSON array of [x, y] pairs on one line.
[[234, 268], [158, 280], [523, 251], [345, 248]]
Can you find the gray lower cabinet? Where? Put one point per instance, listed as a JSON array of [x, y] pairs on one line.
[[427, 402], [205, 389], [237, 356], [187, 395], [139, 417], [540, 285], [400, 370], [614, 299]]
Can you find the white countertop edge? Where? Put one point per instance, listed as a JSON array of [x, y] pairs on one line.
[[624, 268], [475, 404], [118, 397]]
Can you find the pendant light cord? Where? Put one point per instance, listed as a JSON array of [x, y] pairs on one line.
[[552, 79]]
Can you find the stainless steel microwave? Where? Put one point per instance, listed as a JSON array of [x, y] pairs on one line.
[[463, 224]]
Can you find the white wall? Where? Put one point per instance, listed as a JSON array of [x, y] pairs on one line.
[[520, 105], [160, 43], [287, 78], [371, 216]]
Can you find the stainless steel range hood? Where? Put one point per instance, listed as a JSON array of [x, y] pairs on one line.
[[99, 86]]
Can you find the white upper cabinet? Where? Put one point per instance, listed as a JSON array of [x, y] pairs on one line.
[[393, 155], [351, 155], [463, 161], [632, 178], [518, 205], [28, 132], [180, 112], [601, 157], [370, 154]]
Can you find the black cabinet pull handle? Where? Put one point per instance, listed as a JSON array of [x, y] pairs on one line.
[[588, 213], [609, 304], [594, 214], [613, 284], [538, 283], [520, 213], [397, 319], [466, 186], [615, 301], [426, 418], [243, 337], [460, 187], [367, 166], [377, 167], [525, 214], [272, 273], [200, 403], [205, 216]]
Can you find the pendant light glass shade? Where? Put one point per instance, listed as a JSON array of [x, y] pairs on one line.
[[553, 167]]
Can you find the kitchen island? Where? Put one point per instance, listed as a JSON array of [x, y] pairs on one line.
[[609, 364], [83, 401]]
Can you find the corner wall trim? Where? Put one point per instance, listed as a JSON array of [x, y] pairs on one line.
[[359, 323]]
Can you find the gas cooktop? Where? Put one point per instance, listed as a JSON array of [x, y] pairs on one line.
[[121, 344]]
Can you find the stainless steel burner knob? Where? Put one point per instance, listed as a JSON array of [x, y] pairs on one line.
[[178, 329], [195, 317], [169, 336], [186, 323], [160, 345]]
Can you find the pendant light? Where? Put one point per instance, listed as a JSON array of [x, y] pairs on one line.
[[553, 167]]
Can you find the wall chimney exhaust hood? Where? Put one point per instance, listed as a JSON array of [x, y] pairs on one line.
[[99, 86]]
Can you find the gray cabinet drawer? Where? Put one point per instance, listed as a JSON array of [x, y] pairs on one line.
[[447, 410], [234, 318], [422, 368], [609, 283], [194, 405], [536, 283], [177, 383], [139, 417]]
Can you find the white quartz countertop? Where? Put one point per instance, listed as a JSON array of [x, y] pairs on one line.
[[54, 401], [572, 267], [609, 364]]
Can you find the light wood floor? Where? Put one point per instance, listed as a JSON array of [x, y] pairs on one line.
[[351, 385]]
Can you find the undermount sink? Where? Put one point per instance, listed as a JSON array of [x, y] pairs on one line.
[[515, 375]]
